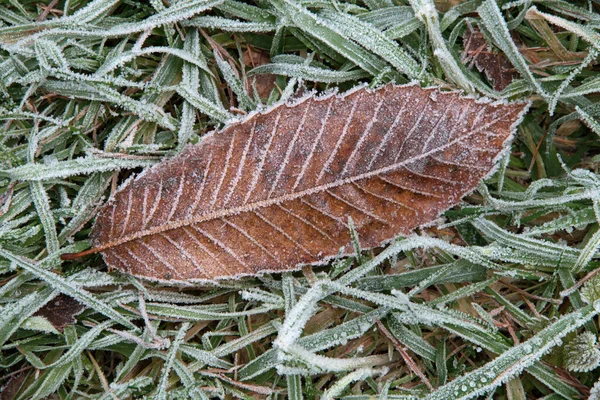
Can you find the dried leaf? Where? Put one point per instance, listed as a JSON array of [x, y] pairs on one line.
[[495, 66], [61, 311], [264, 83], [11, 389], [275, 191]]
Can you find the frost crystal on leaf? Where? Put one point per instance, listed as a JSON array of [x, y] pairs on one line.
[[595, 392], [591, 290], [274, 191], [581, 354]]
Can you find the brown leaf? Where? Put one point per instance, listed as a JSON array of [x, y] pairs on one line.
[[264, 83], [11, 389], [61, 311], [495, 66], [275, 191]]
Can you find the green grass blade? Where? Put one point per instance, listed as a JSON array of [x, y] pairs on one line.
[[513, 361], [64, 286]]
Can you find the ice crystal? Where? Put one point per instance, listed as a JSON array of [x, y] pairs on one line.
[[591, 290], [581, 354]]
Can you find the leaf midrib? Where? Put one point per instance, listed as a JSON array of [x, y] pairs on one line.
[[276, 200]]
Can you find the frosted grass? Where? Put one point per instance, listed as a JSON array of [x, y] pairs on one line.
[[98, 90]]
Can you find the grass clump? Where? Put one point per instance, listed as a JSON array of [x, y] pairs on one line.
[[479, 306]]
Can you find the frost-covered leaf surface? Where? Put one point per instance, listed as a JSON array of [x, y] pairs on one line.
[[276, 190], [581, 354], [494, 300]]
